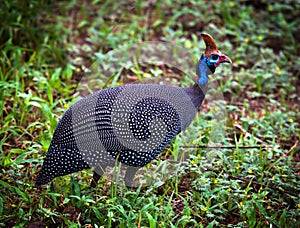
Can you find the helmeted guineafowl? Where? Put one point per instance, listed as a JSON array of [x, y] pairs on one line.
[[131, 123]]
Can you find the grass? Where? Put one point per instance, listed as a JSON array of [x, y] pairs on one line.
[[46, 48]]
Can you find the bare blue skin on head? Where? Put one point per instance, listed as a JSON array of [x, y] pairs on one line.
[[206, 67]]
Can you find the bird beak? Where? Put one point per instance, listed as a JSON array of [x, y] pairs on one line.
[[224, 59]]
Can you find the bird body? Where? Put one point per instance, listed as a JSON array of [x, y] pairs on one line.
[[132, 124]]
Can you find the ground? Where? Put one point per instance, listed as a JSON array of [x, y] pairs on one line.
[[247, 176]]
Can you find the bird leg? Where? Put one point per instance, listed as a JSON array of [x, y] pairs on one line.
[[98, 172], [129, 175]]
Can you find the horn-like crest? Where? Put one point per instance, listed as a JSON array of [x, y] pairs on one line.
[[211, 46]]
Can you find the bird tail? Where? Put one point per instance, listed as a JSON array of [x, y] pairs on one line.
[[60, 161], [42, 178]]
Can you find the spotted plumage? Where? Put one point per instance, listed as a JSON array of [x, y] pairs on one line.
[[131, 123]]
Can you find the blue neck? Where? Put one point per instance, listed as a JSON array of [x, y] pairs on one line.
[[204, 68]]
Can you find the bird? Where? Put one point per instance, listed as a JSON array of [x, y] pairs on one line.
[[131, 124]]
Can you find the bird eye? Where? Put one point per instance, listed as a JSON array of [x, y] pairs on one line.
[[214, 57]]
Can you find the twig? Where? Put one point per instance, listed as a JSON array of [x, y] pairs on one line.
[[291, 149], [247, 134], [242, 105], [228, 147]]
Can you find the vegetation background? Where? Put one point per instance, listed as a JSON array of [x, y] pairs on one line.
[[45, 46]]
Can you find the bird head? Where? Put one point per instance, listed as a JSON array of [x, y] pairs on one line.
[[210, 59]]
